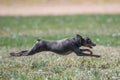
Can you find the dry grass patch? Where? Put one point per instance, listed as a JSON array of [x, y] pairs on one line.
[[107, 50]]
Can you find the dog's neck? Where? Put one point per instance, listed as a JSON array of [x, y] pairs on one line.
[[77, 42]]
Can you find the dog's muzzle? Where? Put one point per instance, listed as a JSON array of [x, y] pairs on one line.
[[91, 46]]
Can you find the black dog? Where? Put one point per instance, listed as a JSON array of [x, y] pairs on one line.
[[63, 47]]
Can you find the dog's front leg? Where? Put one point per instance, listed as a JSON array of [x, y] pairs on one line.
[[86, 50], [80, 53]]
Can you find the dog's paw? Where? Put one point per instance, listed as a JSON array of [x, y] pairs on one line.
[[97, 56], [12, 54]]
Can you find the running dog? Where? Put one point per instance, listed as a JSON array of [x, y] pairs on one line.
[[62, 47]]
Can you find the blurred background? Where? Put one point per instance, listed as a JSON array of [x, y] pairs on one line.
[[57, 7], [38, 2], [24, 21]]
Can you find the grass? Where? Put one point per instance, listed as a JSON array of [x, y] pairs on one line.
[[103, 29], [18, 33]]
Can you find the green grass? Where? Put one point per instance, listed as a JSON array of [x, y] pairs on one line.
[[19, 33], [103, 29]]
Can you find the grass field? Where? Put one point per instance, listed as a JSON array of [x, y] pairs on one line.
[[18, 33]]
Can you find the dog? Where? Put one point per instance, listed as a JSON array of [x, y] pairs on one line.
[[62, 47]]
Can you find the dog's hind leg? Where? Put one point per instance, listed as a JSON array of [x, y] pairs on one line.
[[33, 50], [21, 53]]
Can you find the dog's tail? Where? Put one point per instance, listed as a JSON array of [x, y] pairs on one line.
[[38, 39]]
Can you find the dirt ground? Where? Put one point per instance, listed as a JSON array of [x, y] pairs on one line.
[[61, 9]]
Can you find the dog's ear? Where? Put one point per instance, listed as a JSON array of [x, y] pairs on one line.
[[79, 36]]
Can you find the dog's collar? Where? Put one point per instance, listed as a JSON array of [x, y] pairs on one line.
[[76, 42]]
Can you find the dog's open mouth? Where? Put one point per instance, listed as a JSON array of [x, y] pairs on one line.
[[91, 46]]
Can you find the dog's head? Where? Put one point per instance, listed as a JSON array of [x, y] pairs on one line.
[[85, 41]]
